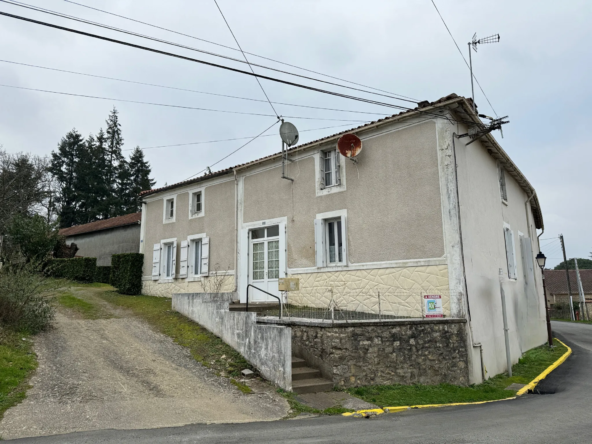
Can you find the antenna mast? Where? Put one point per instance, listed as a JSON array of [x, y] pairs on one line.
[[474, 42]]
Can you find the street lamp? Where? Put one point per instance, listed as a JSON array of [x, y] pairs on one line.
[[541, 259]]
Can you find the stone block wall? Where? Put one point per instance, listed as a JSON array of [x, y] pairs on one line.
[[388, 352]]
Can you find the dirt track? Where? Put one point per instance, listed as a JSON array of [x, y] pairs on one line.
[[119, 373]]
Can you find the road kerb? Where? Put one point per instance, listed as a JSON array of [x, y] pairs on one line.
[[531, 385]]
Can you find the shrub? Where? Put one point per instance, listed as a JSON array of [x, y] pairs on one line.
[[103, 275], [126, 273], [81, 269], [32, 237], [24, 305]]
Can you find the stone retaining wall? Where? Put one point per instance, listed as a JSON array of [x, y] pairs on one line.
[[388, 352]]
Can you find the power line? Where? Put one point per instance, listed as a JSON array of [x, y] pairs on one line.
[[186, 90], [169, 105], [228, 68], [247, 60], [230, 140], [166, 42], [462, 55], [234, 49], [236, 150]]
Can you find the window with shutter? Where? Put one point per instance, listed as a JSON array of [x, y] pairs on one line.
[[183, 259], [510, 253], [502, 180], [205, 256], [331, 241], [156, 262]]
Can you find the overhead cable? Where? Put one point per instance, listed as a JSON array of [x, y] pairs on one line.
[[169, 105], [166, 42], [236, 150], [228, 68], [462, 55], [246, 59], [186, 90], [234, 49]]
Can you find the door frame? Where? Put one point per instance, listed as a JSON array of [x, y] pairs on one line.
[[244, 256]]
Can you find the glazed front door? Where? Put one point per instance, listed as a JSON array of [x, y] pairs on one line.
[[264, 263]]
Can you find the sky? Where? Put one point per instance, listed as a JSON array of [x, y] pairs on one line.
[[538, 75]]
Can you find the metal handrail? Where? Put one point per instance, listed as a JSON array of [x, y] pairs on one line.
[[266, 292]]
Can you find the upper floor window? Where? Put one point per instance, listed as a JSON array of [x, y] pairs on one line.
[[510, 252], [330, 239], [169, 209], [502, 181], [196, 203], [330, 168]]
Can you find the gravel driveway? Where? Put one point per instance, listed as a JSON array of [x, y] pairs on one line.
[[118, 373]]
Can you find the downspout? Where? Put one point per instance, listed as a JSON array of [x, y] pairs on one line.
[[236, 240], [528, 218]]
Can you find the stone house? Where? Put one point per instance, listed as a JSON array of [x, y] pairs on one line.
[[556, 286], [104, 238], [422, 213]]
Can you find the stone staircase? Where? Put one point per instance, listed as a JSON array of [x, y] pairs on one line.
[[306, 379]]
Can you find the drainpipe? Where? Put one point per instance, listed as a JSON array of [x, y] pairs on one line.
[[236, 240], [526, 209]]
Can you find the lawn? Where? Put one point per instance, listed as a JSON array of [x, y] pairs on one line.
[[17, 362], [532, 363], [80, 306]]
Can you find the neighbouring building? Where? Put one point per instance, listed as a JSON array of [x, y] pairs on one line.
[[421, 212], [104, 238], [556, 286]]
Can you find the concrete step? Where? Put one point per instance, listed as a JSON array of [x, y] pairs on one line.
[[305, 373], [311, 385], [297, 362]]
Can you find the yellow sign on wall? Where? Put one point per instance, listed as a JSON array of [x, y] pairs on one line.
[[289, 284]]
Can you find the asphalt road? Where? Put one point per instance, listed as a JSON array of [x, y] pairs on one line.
[[562, 417]]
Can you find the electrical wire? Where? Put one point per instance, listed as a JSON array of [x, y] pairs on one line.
[[171, 106], [135, 34], [234, 49], [236, 150], [462, 55], [187, 90], [229, 140], [228, 68], [246, 59]]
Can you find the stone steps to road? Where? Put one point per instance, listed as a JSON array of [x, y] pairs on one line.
[[306, 379]]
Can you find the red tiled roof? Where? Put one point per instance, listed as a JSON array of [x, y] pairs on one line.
[[556, 281], [106, 224]]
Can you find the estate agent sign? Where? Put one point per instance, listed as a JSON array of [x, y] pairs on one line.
[[433, 306]]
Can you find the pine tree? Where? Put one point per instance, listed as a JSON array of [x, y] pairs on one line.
[[101, 190], [63, 168], [114, 142], [84, 181], [124, 185], [140, 177]]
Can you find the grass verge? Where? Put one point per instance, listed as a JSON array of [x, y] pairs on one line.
[[80, 306], [17, 362], [297, 408], [532, 363], [205, 347]]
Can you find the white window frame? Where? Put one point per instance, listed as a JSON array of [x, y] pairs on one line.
[[338, 169], [503, 183], [510, 248], [193, 240], [322, 241], [163, 260], [165, 209], [192, 193]]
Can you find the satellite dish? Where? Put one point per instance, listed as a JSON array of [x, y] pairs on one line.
[[349, 145], [289, 133]]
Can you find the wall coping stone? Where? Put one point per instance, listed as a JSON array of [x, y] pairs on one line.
[[362, 323]]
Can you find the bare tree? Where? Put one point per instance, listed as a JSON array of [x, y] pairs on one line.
[[216, 280]]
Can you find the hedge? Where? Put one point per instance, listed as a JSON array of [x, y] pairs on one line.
[[81, 269], [126, 273], [103, 275]]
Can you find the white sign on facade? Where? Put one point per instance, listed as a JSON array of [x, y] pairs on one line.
[[433, 306]]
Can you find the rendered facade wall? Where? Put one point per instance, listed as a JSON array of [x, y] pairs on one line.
[[205, 285], [104, 244], [400, 290]]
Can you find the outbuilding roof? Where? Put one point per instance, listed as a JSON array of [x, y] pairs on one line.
[[100, 225], [463, 107], [556, 281]]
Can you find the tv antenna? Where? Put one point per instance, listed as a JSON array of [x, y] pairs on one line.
[[495, 38]]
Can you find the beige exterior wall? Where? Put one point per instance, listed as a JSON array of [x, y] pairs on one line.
[[392, 199], [218, 223], [225, 284], [393, 291]]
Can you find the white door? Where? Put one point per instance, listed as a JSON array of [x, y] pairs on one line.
[[264, 262]]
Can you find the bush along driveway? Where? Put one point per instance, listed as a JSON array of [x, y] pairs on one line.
[[106, 364]]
